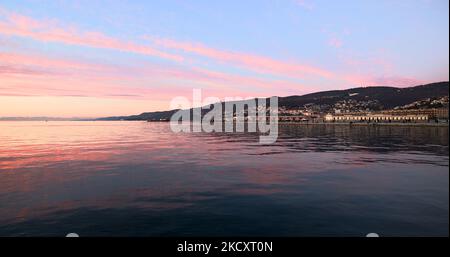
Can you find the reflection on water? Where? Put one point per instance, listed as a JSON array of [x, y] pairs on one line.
[[140, 179]]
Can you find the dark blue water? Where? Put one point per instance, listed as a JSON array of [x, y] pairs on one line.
[[140, 179]]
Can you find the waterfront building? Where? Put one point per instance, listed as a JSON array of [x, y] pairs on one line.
[[433, 113], [376, 118]]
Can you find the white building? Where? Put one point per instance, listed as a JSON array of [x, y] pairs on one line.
[[375, 118]]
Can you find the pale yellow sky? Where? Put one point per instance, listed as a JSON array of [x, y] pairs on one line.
[[29, 106]]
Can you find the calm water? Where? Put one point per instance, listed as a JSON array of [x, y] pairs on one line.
[[140, 179]]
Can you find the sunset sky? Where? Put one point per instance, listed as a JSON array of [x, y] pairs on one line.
[[90, 58]]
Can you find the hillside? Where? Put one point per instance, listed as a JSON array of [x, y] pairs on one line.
[[387, 97], [144, 116], [369, 98]]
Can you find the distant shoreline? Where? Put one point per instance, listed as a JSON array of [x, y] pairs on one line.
[[370, 124], [431, 124]]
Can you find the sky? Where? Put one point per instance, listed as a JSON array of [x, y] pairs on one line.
[[88, 58]]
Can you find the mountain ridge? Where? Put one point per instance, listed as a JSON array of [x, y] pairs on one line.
[[376, 98]]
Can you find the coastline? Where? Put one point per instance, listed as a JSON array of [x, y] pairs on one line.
[[370, 124], [280, 123], [441, 124]]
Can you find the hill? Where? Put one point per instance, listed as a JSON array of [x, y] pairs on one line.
[[384, 97], [366, 98]]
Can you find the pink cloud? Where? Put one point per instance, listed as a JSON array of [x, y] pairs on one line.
[[19, 25], [268, 65], [371, 80], [46, 30], [5, 70], [335, 42], [44, 61], [251, 62], [396, 81], [28, 74], [306, 4], [34, 74]]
